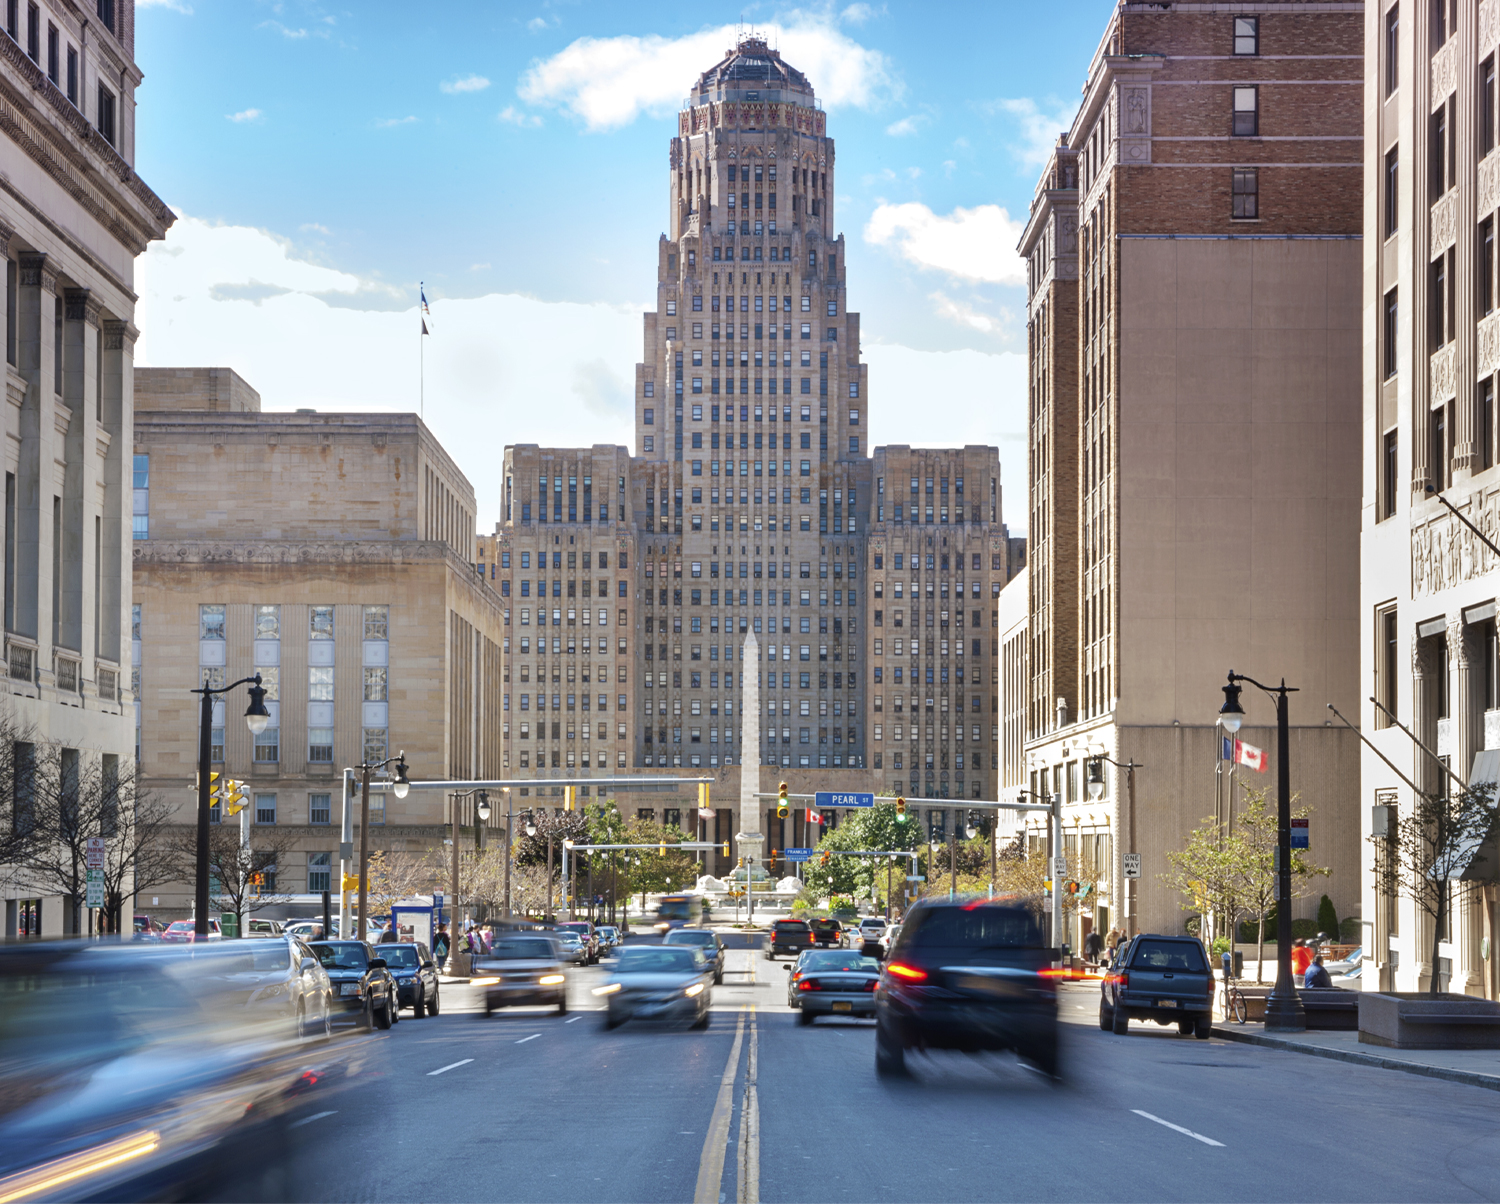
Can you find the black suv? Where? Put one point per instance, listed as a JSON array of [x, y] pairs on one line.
[[1161, 978], [968, 976]]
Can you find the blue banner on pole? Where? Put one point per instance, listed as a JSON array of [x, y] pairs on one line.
[[832, 798], [1299, 834], [797, 854]]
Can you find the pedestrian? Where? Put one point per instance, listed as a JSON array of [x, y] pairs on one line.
[[1301, 957], [1316, 975], [440, 943], [388, 937], [1112, 942], [1093, 946]]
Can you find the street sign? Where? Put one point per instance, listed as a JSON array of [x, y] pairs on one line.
[[832, 798], [1060, 865], [1132, 865], [916, 877], [797, 854], [1299, 834], [95, 889], [93, 854]]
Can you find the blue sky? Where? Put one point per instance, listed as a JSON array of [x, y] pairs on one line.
[[514, 157]]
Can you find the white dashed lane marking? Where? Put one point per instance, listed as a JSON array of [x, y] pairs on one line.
[[1179, 1129], [307, 1120], [533, 1037], [450, 1066]]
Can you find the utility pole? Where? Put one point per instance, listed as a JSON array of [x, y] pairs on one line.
[[953, 864]]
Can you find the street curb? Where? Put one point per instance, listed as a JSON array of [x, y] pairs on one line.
[[1489, 1082]]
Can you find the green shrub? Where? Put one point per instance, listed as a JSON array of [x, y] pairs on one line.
[[1302, 929], [1192, 925], [1350, 930], [1220, 945], [1328, 920]]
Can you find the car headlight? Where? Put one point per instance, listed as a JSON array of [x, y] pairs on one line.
[[608, 989], [695, 989], [551, 980], [349, 988], [484, 982]]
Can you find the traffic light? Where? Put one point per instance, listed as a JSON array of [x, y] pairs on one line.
[[825, 858], [741, 864], [231, 796], [781, 802], [900, 810], [726, 848], [703, 804], [570, 794], [1071, 887], [351, 882], [771, 861]]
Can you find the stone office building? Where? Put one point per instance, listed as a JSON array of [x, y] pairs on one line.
[[73, 217], [1192, 253], [1431, 352], [332, 554], [753, 500]]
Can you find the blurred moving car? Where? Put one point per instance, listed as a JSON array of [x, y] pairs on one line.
[[144, 928], [276, 979], [794, 976], [827, 933], [584, 930], [520, 969], [658, 982], [262, 928], [1346, 966], [789, 936], [361, 983], [835, 982], [307, 930], [888, 938], [871, 929], [967, 976], [1162, 978], [411, 965], [185, 932], [706, 939], [570, 945], [130, 1074]]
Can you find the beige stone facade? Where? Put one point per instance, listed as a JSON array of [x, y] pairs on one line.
[[1428, 588], [73, 217], [333, 554], [1194, 498]]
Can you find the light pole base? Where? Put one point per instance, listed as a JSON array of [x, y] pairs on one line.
[[1284, 1012]]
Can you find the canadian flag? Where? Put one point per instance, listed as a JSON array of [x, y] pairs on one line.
[[1249, 755], [814, 818]]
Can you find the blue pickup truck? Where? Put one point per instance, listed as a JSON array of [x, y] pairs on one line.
[[1162, 978]]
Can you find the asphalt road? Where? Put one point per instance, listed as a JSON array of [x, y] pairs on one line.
[[532, 1106]]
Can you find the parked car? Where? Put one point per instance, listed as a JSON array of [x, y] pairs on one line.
[[834, 982], [277, 980], [656, 982], [262, 928], [525, 968], [1346, 965], [185, 932], [572, 948], [871, 929], [1162, 978], [706, 939], [363, 987], [584, 930], [827, 933], [144, 928], [971, 977], [789, 936], [888, 938], [307, 930], [411, 965], [609, 939]]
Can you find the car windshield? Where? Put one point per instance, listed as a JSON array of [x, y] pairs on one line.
[[580, 929], [1168, 955], [660, 959], [984, 927], [790, 926], [523, 949], [688, 936], [345, 956], [180, 926], [825, 924], [830, 960], [400, 957], [243, 957], [570, 938]]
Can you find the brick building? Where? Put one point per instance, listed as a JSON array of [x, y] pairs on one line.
[[1193, 251]]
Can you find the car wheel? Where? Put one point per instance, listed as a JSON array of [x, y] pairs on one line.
[[562, 1006], [611, 1021], [1044, 1056], [719, 978], [702, 1022], [890, 1057], [367, 1017], [393, 1004], [1185, 1027], [1106, 1016], [1204, 1029], [1121, 1022], [383, 1017], [432, 1007], [804, 1016], [301, 1022], [419, 1004]]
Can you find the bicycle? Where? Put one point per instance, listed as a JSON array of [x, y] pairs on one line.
[[1234, 1002]]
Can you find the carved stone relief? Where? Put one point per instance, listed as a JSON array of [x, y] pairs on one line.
[[1444, 73], [1489, 29], [1443, 223], [1067, 234], [1489, 180], [1488, 337], [1445, 553], [1137, 112], [1440, 373]]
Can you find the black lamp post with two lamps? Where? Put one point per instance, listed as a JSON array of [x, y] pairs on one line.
[[1284, 1011]]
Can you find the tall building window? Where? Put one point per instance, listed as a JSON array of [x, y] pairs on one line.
[[1246, 112], [319, 810], [265, 808], [1486, 106], [1392, 44], [73, 76], [1245, 191], [140, 505], [1438, 447], [1388, 475], [54, 57], [1484, 421], [1388, 335], [105, 122], [319, 870], [1386, 662], [1484, 247], [1247, 35], [1444, 21], [1392, 195]]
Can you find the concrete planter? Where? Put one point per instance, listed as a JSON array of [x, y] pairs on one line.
[[1413, 1020], [1255, 1002], [1330, 1009]]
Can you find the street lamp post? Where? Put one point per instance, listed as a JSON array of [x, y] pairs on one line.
[[256, 718], [1096, 790], [1284, 1011], [400, 788], [510, 847]]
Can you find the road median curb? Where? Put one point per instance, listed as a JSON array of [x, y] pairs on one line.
[[1489, 1082]]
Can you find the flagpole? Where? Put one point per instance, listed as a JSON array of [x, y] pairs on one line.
[[421, 356]]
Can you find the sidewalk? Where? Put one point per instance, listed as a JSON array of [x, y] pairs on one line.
[[1476, 1067]]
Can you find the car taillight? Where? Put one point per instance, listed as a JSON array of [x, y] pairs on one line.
[[908, 973], [808, 984], [1054, 972], [871, 984]]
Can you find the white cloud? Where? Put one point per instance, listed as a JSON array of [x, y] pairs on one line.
[[284, 30], [479, 267], [1039, 127], [537, 24], [858, 14], [514, 116], [177, 6], [974, 244], [387, 122], [608, 82], [964, 314], [246, 115], [310, 335], [314, 228], [909, 124], [469, 83]]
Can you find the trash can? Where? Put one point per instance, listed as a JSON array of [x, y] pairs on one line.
[[229, 925]]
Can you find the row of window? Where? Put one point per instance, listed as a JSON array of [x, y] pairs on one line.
[[897, 729], [265, 810], [104, 112], [762, 332], [757, 385]]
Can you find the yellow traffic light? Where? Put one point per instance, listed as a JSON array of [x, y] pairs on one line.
[[741, 864], [351, 882], [570, 793], [900, 810], [726, 848], [826, 858], [231, 796], [781, 802], [771, 860], [703, 796]]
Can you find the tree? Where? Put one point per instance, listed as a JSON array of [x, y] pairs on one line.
[[242, 877], [1206, 875], [396, 874], [873, 828], [1254, 862], [67, 798], [1026, 878], [1428, 849], [1328, 918]]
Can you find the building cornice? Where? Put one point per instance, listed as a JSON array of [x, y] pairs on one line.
[[167, 553]]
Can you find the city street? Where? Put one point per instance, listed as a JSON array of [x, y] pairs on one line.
[[529, 1105]]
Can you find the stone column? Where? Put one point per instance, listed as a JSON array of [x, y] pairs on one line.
[[80, 397], [117, 425], [1466, 737], [33, 571], [747, 828], [1426, 678]]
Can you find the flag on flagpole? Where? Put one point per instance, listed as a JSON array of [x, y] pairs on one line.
[[425, 312], [1226, 748], [1249, 755]]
